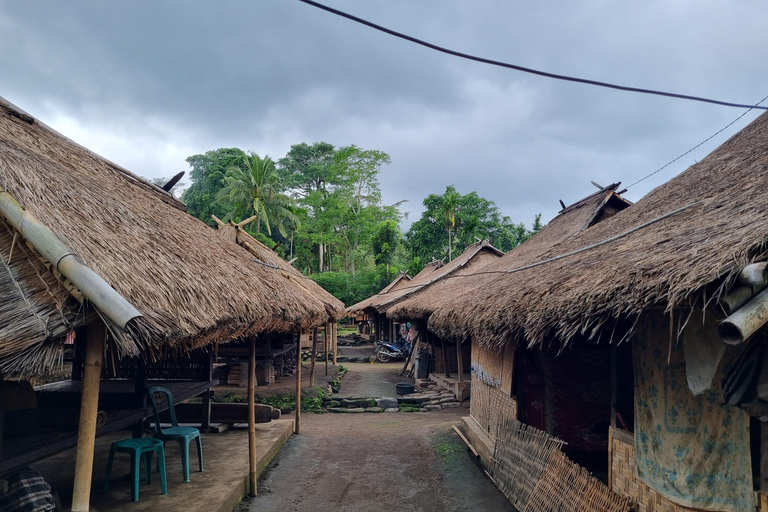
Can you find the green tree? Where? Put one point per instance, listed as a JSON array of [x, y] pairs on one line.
[[251, 189], [452, 221], [207, 180], [306, 169]]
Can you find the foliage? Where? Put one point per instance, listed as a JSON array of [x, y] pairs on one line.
[[251, 189], [207, 177], [452, 221], [321, 208]]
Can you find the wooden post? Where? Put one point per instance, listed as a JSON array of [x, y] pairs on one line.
[[252, 418], [614, 390], [445, 361], [206, 420], [314, 358], [460, 359], [297, 422], [334, 328], [89, 408], [326, 343]]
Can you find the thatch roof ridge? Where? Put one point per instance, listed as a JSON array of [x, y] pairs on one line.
[[424, 280], [652, 257], [373, 299], [180, 275], [264, 254], [569, 222], [19, 113], [402, 277]]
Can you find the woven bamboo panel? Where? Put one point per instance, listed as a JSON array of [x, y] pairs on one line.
[[566, 486], [519, 460], [625, 483], [491, 402]]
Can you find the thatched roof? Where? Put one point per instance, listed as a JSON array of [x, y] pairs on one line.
[[400, 281], [568, 223], [473, 257], [333, 306], [684, 241], [187, 283]]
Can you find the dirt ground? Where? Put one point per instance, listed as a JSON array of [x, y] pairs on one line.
[[411, 462]]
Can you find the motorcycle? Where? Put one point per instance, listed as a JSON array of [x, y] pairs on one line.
[[386, 351]]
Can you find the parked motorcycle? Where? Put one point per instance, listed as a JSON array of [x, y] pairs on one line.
[[386, 351]]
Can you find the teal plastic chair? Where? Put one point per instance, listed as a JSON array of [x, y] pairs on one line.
[[140, 448], [183, 435]]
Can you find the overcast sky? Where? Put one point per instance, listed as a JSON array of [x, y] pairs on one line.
[[148, 83]]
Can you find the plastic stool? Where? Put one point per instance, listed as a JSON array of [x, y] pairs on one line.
[[139, 448]]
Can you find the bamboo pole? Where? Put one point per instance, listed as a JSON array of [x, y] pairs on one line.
[[326, 343], [89, 408], [745, 321], [297, 422], [314, 358], [113, 305], [252, 418], [755, 274]]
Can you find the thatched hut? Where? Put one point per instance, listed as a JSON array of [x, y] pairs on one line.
[[660, 275], [92, 253]]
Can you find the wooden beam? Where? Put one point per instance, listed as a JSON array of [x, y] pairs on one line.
[[334, 328], [326, 334], [89, 408], [445, 361], [460, 359], [297, 422], [314, 358], [252, 418]]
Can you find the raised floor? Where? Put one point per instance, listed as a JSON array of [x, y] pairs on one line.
[[218, 489]]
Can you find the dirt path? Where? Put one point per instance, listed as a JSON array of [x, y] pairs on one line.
[[410, 462]]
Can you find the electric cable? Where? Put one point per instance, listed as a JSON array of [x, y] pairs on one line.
[[696, 146], [524, 69]]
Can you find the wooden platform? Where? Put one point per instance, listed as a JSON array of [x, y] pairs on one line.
[[219, 489], [59, 408]]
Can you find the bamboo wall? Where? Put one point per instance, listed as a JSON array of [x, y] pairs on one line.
[[532, 472], [492, 403], [622, 479]]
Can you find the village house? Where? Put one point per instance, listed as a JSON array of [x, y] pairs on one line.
[[99, 261], [637, 341]]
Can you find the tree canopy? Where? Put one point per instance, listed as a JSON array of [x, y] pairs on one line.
[[321, 208]]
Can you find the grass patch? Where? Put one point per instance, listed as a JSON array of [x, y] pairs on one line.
[[449, 448]]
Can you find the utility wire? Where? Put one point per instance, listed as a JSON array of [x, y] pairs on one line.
[[521, 68], [697, 145]]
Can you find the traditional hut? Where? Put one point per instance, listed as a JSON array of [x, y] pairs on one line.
[[92, 253], [421, 304], [653, 283]]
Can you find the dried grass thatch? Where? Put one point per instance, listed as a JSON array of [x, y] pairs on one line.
[[685, 239], [473, 257], [191, 287], [571, 221], [333, 306]]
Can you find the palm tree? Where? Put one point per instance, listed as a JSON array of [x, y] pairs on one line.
[[251, 189]]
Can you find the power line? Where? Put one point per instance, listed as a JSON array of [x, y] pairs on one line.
[[521, 68], [697, 145]]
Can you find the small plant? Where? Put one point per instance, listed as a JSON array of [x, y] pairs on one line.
[[341, 370]]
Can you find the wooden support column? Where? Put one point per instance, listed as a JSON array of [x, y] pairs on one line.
[[314, 358], [334, 328], [206, 419], [89, 408], [326, 343], [460, 359], [297, 422], [140, 385], [445, 361], [252, 418]]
